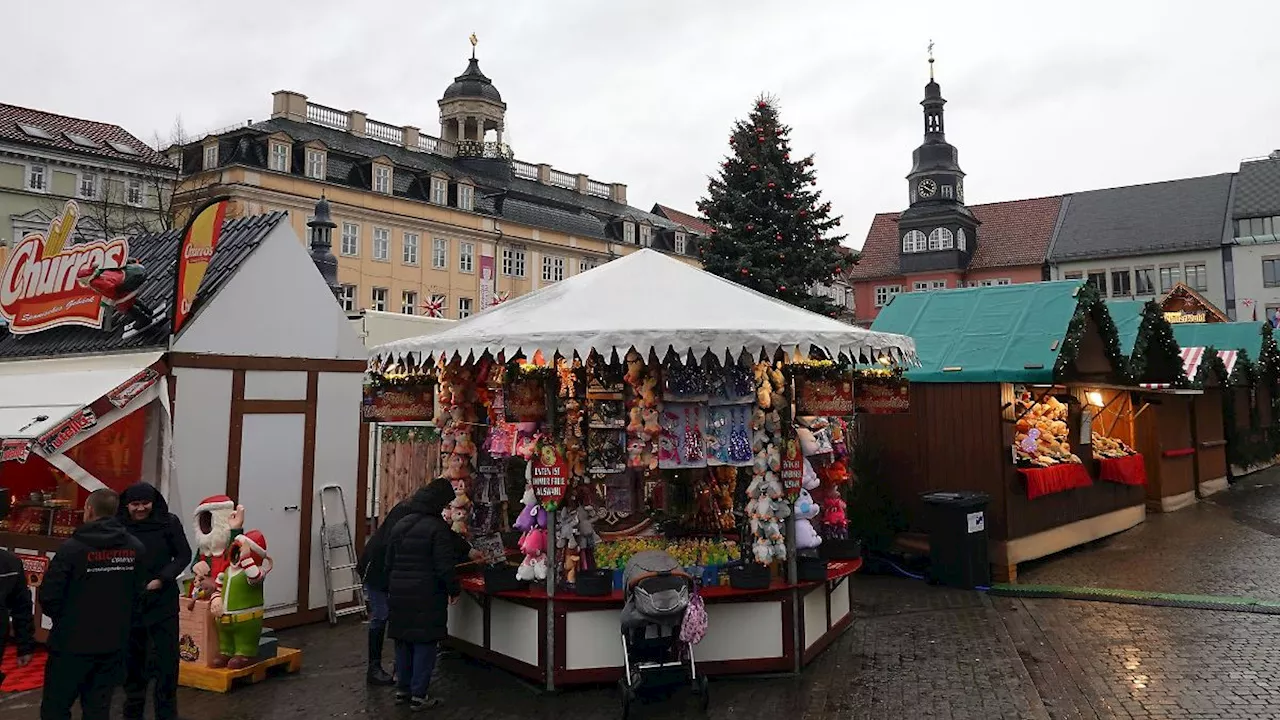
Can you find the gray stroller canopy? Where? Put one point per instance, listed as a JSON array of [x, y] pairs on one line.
[[668, 599]]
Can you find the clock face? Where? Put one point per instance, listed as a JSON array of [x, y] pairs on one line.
[[927, 188]]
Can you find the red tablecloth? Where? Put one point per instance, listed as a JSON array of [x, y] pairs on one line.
[[1131, 470], [1049, 480]]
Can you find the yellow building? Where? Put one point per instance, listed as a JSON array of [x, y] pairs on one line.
[[425, 225]]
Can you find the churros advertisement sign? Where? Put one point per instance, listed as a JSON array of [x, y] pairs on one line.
[[198, 244], [38, 287]]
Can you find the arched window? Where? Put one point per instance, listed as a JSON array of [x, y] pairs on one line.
[[941, 239], [962, 241], [914, 241]]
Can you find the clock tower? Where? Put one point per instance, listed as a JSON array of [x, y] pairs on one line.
[[937, 231]]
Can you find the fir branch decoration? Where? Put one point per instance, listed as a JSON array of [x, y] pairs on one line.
[[1156, 356], [1090, 306]]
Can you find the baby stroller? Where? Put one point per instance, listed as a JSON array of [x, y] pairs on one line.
[[656, 592]]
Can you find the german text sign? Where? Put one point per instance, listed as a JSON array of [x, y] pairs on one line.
[[409, 403], [882, 396], [550, 476], [826, 396]]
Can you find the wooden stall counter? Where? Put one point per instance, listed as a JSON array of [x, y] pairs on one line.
[[781, 628]]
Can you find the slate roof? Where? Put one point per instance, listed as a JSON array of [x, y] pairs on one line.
[[1257, 189], [159, 253], [1187, 214], [519, 200], [695, 224], [102, 134], [1014, 233]]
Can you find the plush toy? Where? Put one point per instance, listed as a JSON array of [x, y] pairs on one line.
[[534, 546], [809, 479], [774, 458], [230, 565], [464, 444], [764, 396], [567, 528], [571, 560], [457, 518], [806, 509], [835, 521]]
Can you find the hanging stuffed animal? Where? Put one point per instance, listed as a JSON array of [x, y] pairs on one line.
[[806, 509]]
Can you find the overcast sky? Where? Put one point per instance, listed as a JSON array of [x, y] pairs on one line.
[[1043, 97]]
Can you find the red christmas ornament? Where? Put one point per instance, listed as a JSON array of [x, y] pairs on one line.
[[744, 271], [803, 213], [839, 269], [786, 156], [762, 104], [755, 168], [789, 196], [750, 227], [732, 139], [778, 236], [758, 129], [782, 288], [778, 132], [772, 186], [760, 138]]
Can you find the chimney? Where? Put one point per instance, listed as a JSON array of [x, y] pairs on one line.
[[289, 105], [618, 193], [322, 226]]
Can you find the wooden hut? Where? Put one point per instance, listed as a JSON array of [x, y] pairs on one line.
[[993, 358]]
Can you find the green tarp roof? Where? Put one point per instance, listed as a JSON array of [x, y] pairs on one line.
[[1127, 315], [1245, 336], [1004, 333]]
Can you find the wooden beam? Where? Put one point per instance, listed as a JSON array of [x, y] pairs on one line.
[[238, 362], [235, 435], [361, 519], [308, 490]]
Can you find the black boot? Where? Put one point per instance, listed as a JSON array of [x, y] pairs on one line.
[[375, 675]]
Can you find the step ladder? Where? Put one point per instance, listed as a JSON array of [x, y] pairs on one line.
[[336, 539]]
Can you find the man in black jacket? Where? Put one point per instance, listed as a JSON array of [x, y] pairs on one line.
[[15, 607], [89, 592], [154, 636], [421, 554]]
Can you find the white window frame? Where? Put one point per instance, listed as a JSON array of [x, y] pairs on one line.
[[920, 286], [941, 239], [210, 156], [938, 285], [378, 299], [381, 244], [962, 239], [466, 197], [279, 156], [382, 178], [914, 241], [41, 171], [353, 237], [646, 236], [94, 186], [885, 293], [409, 302], [134, 193], [439, 253], [465, 308], [680, 243], [439, 191], [552, 268], [1004, 281], [629, 233], [317, 162], [347, 297], [466, 256], [410, 246], [585, 264], [1202, 271], [513, 262]]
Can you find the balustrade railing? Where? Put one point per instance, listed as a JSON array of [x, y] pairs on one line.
[[327, 116]]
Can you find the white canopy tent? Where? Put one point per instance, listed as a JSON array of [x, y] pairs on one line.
[[651, 302]]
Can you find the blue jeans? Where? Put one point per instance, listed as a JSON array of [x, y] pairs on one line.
[[378, 609], [414, 664]]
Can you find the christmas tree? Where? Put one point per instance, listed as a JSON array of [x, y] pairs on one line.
[[772, 229]]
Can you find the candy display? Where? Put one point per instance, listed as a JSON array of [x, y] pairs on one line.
[[1106, 447], [1040, 438], [689, 553]]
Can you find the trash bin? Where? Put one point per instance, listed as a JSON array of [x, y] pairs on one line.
[[957, 525]]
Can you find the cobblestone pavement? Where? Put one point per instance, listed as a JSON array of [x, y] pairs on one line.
[[916, 651]]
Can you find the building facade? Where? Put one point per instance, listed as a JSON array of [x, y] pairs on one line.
[[122, 185], [437, 225], [1252, 253]]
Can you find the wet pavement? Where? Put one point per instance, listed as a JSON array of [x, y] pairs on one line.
[[916, 651]]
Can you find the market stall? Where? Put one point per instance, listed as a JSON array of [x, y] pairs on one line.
[[246, 384], [645, 404], [1023, 394]]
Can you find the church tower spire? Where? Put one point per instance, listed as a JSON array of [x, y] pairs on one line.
[[938, 232]]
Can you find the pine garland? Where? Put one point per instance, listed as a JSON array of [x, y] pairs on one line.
[[1156, 354], [1090, 305]]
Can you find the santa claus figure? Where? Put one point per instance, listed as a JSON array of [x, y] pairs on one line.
[[119, 289], [229, 569]]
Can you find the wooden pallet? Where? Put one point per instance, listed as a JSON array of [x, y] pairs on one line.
[[221, 679]]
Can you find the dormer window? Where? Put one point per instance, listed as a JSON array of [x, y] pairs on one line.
[[175, 158], [646, 236], [439, 191], [941, 239], [316, 164], [210, 156], [914, 241], [679, 243], [279, 156], [382, 179], [466, 197], [629, 233]]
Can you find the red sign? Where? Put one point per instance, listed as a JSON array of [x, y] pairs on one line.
[[198, 243], [62, 435], [550, 476], [526, 400], [33, 567], [882, 396], [410, 403], [826, 396], [39, 287], [130, 389], [16, 450], [792, 472]]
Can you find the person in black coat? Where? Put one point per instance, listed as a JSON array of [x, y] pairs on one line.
[[154, 636], [89, 591], [421, 554], [15, 608]]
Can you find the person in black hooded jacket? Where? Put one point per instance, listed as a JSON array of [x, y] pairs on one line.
[[421, 554], [15, 606], [89, 592], [154, 635]]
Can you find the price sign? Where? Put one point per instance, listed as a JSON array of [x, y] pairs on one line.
[[550, 476], [792, 469]]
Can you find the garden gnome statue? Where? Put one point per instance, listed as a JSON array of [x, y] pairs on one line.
[[229, 569]]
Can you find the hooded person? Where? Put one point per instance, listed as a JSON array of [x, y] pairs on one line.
[[421, 553], [153, 639]]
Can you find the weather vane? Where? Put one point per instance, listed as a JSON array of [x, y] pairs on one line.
[[475, 40], [930, 57]]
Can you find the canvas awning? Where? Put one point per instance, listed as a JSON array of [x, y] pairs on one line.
[[48, 406], [1191, 359], [648, 301]]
